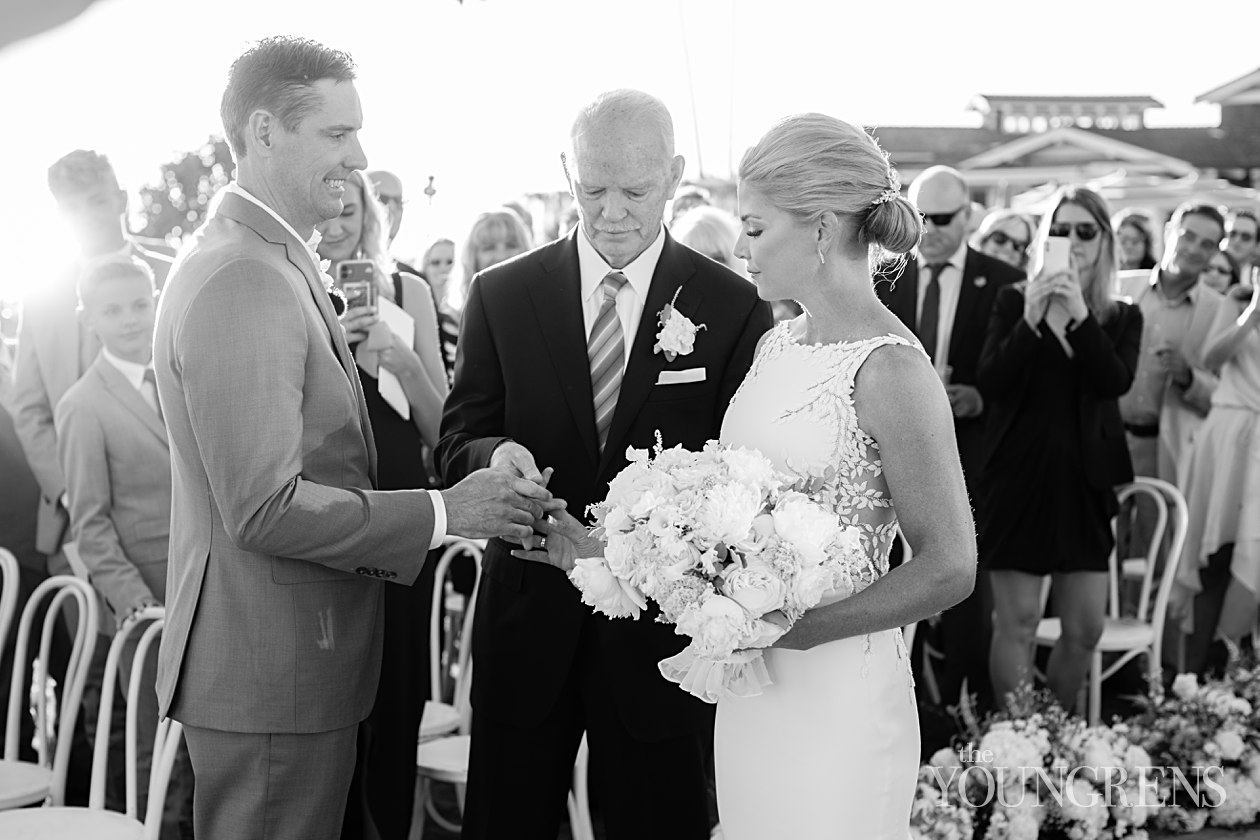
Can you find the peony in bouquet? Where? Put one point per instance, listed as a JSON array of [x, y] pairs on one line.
[[730, 551]]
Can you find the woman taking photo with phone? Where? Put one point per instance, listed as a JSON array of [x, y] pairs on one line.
[[1058, 353], [1223, 484], [383, 789]]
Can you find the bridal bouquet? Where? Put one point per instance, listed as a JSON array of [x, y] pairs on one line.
[[730, 551]]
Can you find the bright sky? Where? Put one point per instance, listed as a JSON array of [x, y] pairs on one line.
[[481, 95]]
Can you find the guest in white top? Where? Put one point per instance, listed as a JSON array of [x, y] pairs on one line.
[[113, 451], [1223, 479]]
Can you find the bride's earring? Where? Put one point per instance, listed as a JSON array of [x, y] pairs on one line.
[[821, 258]]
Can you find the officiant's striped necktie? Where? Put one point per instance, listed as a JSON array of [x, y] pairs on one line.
[[606, 350]]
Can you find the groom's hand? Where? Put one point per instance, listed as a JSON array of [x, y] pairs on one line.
[[512, 458], [493, 503]]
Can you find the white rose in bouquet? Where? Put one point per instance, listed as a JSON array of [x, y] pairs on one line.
[[810, 585], [716, 626], [754, 587], [604, 591], [728, 512], [750, 467], [808, 526]]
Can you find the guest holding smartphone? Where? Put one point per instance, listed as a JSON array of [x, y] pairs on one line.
[[383, 789], [1058, 353]]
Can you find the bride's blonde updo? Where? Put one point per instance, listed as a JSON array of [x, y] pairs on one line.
[[808, 164]]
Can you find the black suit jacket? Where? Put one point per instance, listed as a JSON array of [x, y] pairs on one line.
[[522, 373], [1106, 357], [983, 277]]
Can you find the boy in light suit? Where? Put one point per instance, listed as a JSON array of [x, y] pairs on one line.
[[114, 453]]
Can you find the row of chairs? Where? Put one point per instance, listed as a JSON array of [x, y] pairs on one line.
[[27, 783]]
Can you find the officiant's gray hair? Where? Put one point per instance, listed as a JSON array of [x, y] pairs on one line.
[[625, 104], [278, 75]]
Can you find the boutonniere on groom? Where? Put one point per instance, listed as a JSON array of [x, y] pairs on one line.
[[338, 298], [678, 334]]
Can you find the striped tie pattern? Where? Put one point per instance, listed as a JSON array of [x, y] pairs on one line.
[[606, 350]]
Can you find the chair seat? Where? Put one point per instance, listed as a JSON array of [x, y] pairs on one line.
[[1118, 634], [438, 719], [69, 823], [444, 759], [23, 783]]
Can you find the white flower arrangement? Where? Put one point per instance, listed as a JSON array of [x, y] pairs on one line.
[[730, 551]]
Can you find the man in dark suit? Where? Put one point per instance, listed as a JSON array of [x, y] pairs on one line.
[[556, 367], [946, 295]]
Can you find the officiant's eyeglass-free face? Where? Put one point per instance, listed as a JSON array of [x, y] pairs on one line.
[[779, 251], [311, 163], [621, 186]]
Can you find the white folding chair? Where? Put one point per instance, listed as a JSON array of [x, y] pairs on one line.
[[9, 573], [61, 823], [1143, 633], [445, 758], [439, 717], [26, 782]]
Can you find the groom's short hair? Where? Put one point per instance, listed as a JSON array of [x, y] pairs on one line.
[[278, 75]]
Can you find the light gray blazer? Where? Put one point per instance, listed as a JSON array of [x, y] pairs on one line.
[[117, 465], [50, 360], [278, 541]]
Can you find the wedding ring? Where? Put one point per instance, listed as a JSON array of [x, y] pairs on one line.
[[542, 543]]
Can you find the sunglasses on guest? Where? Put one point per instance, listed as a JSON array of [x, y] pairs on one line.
[[1002, 239], [1085, 231], [942, 219]]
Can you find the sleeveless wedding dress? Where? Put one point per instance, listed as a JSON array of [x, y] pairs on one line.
[[831, 749]]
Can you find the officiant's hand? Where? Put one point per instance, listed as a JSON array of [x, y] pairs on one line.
[[357, 321], [563, 540], [491, 503], [512, 458]]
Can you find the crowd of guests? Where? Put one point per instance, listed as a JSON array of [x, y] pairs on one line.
[[1135, 356]]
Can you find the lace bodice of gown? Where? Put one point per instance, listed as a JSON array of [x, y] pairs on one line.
[[796, 407]]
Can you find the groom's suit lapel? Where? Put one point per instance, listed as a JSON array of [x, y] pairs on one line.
[[557, 298], [673, 270], [247, 213]]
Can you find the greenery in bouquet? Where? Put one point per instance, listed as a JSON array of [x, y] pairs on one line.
[[1204, 737]]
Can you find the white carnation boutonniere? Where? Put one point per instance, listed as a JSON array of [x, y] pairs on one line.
[[677, 336]]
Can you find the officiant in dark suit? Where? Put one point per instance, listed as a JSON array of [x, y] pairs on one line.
[[556, 368], [946, 295]]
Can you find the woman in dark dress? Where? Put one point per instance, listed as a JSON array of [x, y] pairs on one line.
[[382, 792], [1058, 354]]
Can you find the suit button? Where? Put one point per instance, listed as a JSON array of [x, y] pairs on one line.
[[362, 570]]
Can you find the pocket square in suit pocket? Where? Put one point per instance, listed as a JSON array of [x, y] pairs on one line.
[[677, 377]]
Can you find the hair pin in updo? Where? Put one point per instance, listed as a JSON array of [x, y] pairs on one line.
[[886, 196]]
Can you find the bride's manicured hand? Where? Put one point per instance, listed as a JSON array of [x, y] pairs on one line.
[[564, 540]]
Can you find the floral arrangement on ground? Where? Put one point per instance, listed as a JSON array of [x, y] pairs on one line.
[[1190, 758]]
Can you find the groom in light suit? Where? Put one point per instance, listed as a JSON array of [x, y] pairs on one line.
[[556, 369], [280, 545]]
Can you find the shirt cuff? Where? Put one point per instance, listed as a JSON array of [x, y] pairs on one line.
[[439, 519]]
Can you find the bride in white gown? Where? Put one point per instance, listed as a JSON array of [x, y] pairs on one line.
[[845, 395], [842, 393]]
